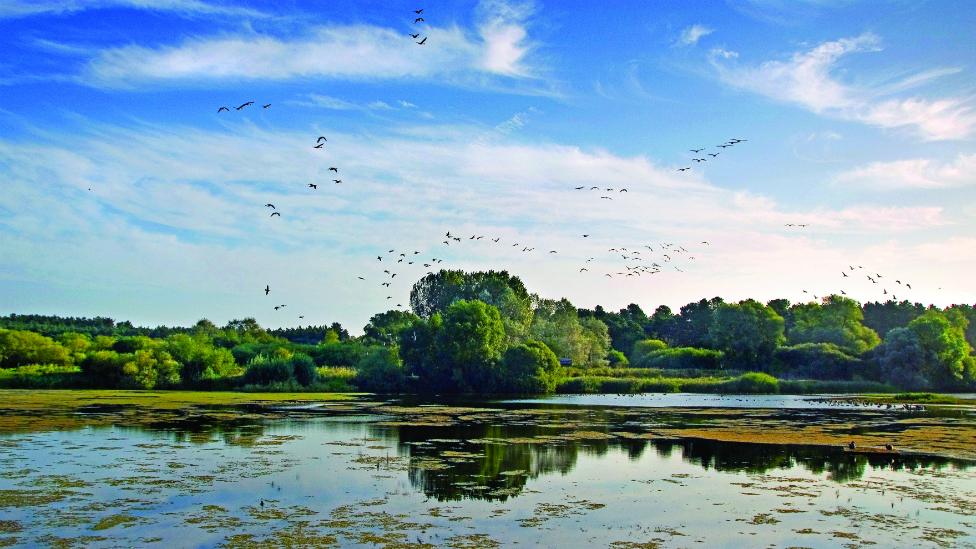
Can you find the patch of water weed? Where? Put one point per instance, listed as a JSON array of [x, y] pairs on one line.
[[10, 527], [472, 541], [112, 521], [653, 544], [31, 498]]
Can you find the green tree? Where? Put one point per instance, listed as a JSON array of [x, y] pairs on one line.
[[947, 362], [694, 322], [529, 368], [19, 347], [900, 359], [470, 342], [557, 324], [838, 320], [661, 325], [748, 332], [596, 342], [381, 371], [645, 347], [385, 328]]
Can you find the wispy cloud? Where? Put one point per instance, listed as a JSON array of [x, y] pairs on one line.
[[807, 79], [691, 35], [30, 8], [918, 173], [496, 47]]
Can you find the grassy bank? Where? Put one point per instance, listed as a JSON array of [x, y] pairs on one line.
[[747, 383]]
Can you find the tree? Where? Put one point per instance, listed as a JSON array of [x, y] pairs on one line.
[[694, 322], [900, 359], [748, 332], [529, 368], [381, 371], [19, 347], [199, 359], [385, 328], [625, 327], [470, 342], [437, 291], [816, 361], [837, 320], [556, 323], [645, 347], [884, 317], [596, 342], [303, 368], [661, 324], [947, 362]]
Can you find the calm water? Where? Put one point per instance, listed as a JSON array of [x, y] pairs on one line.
[[321, 477]]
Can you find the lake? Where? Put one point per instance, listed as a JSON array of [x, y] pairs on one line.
[[102, 469]]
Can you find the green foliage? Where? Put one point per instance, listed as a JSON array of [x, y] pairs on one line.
[[748, 332], [42, 376], [303, 368], [838, 320], [558, 325], [262, 370], [617, 359], [200, 360], [437, 291], [470, 343], [817, 361], [380, 371], [18, 348], [624, 328], [694, 322], [946, 361], [682, 358], [645, 347], [884, 317], [385, 328], [147, 367], [529, 368], [755, 383]]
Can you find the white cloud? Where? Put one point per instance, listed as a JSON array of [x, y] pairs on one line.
[[496, 47], [406, 104], [724, 54], [29, 8], [918, 173], [807, 79], [184, 218], [691, 35]]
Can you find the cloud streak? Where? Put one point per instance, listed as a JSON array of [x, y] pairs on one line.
[[691, 35], [917, 173], [807, 79]]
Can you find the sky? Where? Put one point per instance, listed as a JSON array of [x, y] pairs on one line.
[[127, 194]]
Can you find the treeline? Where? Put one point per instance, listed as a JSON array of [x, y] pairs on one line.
[[484, 332]]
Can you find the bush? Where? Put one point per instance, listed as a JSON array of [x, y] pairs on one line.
[[262, 370], [380, 371], [682, 357], [816, 361], [529, 368], [617, 359], [303, 368], [753, 383], [645, 347]]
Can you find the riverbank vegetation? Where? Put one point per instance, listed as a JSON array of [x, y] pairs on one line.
[[484, 332]]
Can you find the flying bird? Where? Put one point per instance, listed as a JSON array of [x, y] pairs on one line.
[[422, 42], [714, 155], [269, 205], [337, 181], [267, 290], [415, 36], [223, 109], [418, 12], [275, 214], [586, 236], [319, 146], [321, 139], [334, 169], [313, 186], [623, 190], [419, 20], [696, 151], [579, 188], [684, 169], [244, 105], [360, 278], [268, 106]]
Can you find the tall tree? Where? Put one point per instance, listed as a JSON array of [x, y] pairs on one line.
[[748, 332]]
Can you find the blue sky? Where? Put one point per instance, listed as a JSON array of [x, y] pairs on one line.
[[860, 119]]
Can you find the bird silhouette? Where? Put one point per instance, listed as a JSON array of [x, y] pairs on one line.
[[845, 274], [321, 139], [684, 169], [334, 169], [244, 105], [422, 42], [623, 190], [696, 151], [418, 12], [714, 155], [419, 20], [579, 188], [268, 106], [275, 214], [586, 236], [269, 205], [337, 181], [267, 290], [223, 109], [319, 146], [415, 36], [360, 278], [313, 186]]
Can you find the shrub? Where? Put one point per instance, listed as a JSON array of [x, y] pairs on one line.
[[262, 370], [682, 357], [380, 371], [816, 361], [753, 383], [303, 368], [645, 347], [617, 359]]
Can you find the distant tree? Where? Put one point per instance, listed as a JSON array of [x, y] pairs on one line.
[[557, 324], [385, 328], [596, 342], [617, 359], [303, 368], [694, 322], [381, 371], [625, 327], [884, 317], [748, 332], [817, 361], [836, 320], [645, 347], [661, 325], [20, 347], [901, 358]]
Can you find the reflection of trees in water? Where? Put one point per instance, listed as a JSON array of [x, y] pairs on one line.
[[480, 477]]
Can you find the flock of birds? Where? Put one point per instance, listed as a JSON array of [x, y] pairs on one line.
[[620, 261], [852, 269]]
